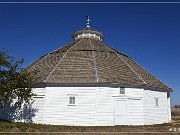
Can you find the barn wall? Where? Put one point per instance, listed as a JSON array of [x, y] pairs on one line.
[[38, 105], [32, 112], [169, 107], [94, 106], [105, 105], [59, 112], [155, 114], [135, 110]]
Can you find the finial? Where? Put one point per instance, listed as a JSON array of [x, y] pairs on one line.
[[87, 22]]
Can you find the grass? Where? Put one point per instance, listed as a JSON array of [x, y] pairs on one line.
[[20, 128], [6, 126]]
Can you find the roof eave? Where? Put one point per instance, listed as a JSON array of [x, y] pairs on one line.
[[103, 84]]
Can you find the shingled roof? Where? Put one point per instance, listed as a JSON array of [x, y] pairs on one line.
[[88, 60]]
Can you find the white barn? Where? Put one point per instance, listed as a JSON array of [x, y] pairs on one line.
[[88, 83]]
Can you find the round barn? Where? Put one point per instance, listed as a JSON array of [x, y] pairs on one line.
[[88, 83]]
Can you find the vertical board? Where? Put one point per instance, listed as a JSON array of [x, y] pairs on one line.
[[169, 106]]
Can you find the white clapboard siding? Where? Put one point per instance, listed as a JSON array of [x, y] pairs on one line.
[[152, 113], [134, 106], [95, 106], [59, 112], [169, 108], [104, 106], [38, 104], [135, 111], [134, 92]]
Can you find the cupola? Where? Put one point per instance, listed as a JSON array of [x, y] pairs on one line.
[[88, 32]]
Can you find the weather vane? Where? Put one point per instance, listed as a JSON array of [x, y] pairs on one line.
[[87, 22]]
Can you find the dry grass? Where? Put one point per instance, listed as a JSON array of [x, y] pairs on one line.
[[21, 128], [176, 111], [6, 126]]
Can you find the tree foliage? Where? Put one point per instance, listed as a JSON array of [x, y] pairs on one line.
[[15, 83], [177, 106]]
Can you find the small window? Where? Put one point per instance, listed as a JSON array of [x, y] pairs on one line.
[[72, 100], [156, 102], [122, 90]]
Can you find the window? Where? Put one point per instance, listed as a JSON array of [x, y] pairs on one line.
[[156, 102], [122, 90], [72, 100]]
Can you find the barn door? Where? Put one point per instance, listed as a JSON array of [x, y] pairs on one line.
[[120, 111]]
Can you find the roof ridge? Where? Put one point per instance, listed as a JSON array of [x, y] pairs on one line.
[[138, 65], [129, 66], [115, 50], [150, 73], [132, 69], [35, 63], [40, 58], [94, 61], [60, 61]]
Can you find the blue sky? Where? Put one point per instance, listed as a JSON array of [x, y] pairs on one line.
[[149, 33]]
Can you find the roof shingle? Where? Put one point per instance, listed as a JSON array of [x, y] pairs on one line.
[[81, 60]]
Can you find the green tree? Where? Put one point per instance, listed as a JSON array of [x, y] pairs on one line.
[[15, 87]]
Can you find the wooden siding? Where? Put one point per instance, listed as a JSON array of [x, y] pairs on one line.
[[134, 106], [104, 106], [59, 112], [169, 108], [38, 105], [95, 106], [155, 114], [135, 111]]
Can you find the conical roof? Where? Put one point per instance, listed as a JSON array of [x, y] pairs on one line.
[[89, 61]]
